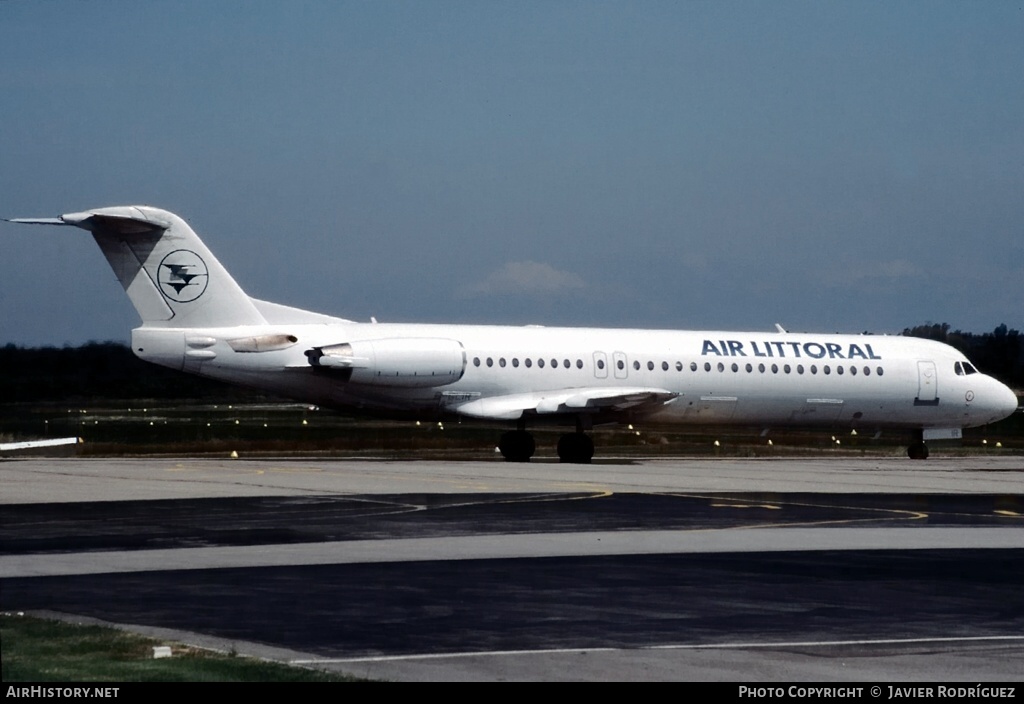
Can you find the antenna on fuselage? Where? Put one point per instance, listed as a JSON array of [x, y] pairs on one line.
[[780, 328]]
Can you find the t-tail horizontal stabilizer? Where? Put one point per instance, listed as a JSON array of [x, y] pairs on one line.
[[173, 280]]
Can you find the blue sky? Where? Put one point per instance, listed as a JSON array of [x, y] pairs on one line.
[[829, 166]]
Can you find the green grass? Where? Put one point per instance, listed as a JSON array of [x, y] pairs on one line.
[[151, 427], [41, 650]]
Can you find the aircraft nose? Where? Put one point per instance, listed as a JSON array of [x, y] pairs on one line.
[[1007, 403]]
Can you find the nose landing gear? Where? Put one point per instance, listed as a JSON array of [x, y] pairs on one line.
[[918, 450]]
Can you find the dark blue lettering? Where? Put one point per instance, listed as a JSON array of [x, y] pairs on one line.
[[817, 352], [796, 347], [856, 351], [709, 347], [871, 353], [757, 352], [778, 348], [736, 349], [834, 350]]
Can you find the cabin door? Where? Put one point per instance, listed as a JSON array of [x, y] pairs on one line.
[[927, 384]]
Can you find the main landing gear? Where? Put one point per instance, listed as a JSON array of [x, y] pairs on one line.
[[918, 450], [573, 448], [517, 446]]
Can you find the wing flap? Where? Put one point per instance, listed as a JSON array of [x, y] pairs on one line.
[[566, 402]]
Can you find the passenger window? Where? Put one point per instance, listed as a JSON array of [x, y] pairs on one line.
[[636, 365], [476, 361], [650, 366], [853, 371], [566, 363], [540, 362], [554, 364], [735, 367], [750, 367], [490, 362], [775, 369], [579, 364], [880, 371], [799, 369], [839, 370], [529, 363], [501, 362], [679, 366], [707, 366], [786, 368], [827, 369], [760, 367], [515, 362], [693, 366], [600, 363], [867, 371], [721, 367], [814, 369], [620, 364]]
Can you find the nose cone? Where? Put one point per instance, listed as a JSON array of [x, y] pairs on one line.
[[993, 401], [1007, 403]]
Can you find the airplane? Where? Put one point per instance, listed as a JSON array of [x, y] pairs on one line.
[[197, 319]]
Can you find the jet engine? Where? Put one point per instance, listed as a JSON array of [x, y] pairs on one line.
[[409, 362]]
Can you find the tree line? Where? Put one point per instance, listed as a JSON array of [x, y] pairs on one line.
[[99, 370], [109, 370]]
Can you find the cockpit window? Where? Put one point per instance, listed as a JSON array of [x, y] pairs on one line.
[[964, 369]]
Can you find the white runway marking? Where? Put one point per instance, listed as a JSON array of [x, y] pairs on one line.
[[514, 546]]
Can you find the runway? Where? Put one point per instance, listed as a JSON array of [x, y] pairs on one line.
[[693, 569]]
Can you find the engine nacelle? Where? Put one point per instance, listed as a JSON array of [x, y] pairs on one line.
[[408, 362]]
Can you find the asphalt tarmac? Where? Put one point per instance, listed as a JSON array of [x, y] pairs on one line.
[[826, 569]]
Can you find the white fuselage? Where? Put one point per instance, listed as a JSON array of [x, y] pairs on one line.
[[713, 376]]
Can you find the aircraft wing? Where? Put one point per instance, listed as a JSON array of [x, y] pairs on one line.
[[567, 401], [31, 444]]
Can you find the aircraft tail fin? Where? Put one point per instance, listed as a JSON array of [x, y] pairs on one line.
[[172, 279]]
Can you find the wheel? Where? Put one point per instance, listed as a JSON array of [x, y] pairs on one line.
[[517, 446], [575, 448], [918, 451]]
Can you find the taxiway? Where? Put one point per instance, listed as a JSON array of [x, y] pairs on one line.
[[693, 569]]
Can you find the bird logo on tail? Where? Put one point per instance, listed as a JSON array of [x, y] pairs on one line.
[[183, 276]]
